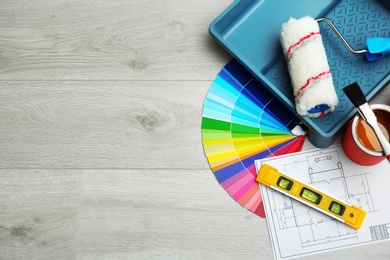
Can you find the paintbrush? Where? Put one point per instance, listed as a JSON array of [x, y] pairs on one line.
[[355, 94]]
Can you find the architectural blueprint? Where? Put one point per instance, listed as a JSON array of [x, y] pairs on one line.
[[298, 230]]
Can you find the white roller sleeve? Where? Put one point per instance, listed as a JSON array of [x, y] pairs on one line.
[[308, 66]]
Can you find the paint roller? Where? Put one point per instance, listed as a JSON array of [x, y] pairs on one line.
[[311, 78]]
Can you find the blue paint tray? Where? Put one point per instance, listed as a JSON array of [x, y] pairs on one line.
[[250, 31]]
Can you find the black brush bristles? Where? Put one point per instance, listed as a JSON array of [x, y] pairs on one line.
[[355, 94]]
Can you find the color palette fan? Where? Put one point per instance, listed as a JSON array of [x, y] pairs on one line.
[[243, 122]]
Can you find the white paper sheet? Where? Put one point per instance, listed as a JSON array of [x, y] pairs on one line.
[[297, 230]]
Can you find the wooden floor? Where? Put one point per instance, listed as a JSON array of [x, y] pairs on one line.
[[100, 139]]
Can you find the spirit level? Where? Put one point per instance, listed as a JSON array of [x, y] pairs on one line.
[[340, 210]]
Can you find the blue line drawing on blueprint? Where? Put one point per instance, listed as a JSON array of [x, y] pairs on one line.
[[380, 232], [296, 230], [324, 172]]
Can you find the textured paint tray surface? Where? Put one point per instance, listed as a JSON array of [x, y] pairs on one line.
[[250, 29]]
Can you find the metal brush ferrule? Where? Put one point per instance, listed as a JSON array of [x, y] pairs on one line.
[[368, 114]]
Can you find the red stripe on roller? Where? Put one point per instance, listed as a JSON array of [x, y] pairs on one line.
[[388, 157], [302, 40], [308, 81], [322, 114]]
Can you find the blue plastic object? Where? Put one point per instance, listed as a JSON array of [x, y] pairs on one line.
[[250, 31], [318, 109], [377, 48]]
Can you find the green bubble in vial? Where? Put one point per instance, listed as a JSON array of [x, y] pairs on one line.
[[284, 183], [310, 196], [336, 208]]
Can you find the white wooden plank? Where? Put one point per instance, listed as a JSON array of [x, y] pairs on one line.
[[103, 214], [104, 86], [382, 97], [110, 124], [106, 39], [137, 214]]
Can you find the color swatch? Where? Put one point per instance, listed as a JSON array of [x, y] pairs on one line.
[[242, 122]]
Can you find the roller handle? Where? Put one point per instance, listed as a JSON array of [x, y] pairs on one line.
[[377, 48]]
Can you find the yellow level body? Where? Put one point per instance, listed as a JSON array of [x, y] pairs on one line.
[[349, 214]]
